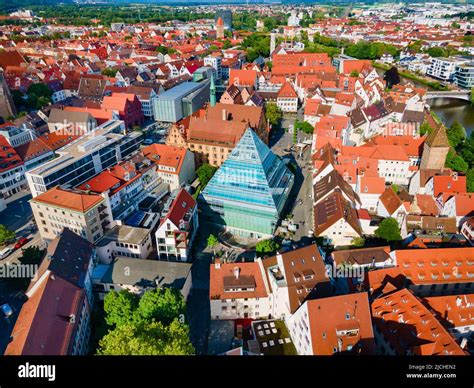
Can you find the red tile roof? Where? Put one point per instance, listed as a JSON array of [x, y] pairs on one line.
[[236, 275], [9, 158], [70, 199], [437, 265], [410, 327], [343, 323]]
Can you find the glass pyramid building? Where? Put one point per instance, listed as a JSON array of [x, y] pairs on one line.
[[248, 192]]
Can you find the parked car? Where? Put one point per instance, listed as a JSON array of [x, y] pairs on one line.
[[7, 310], [5, 252], [22, 241]]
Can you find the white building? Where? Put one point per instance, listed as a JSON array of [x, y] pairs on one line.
[[125, 241], [178, 226], [238, 290], [444, 68], [216, 64], [174, 165]]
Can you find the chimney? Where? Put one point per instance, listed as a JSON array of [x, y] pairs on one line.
[[236, 272], [224, 114], [217, 264]]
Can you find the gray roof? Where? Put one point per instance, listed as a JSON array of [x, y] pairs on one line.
[[124, 233], [59, 116], [144, 273]]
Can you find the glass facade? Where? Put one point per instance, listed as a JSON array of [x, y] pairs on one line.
[[249, 191]]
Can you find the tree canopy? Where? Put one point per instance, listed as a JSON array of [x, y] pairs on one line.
[[266, 247], [273, 114], [150, 325], [304, 127], [212, 241], [205, 172], [6, 235], [456, 134], [389, 230], [391, 77]]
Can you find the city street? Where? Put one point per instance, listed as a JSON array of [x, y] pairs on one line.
[[300, 199]]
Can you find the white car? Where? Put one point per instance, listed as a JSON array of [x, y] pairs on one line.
[[5, 252]]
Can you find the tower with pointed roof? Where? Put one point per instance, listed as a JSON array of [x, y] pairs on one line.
[[212, 92], [248, 192], [220, 28], [435, 149]]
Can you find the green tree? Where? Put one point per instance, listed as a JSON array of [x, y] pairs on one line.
[[425, 128], [354, 73], [162, 49], [467, 150], [39, 95], [109, 72], [391, 77], [163, 305], [273, 114], [147, 339], [32, 256], [358, 242], [266, 247], [212, 241], [470, 180], [472, 95], [120, 307], [456, 134], [305, 127], [205, 173], [437, 52], [5, 235], [456, 162], [389, 230]]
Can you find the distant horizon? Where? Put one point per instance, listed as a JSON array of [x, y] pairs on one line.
[[19, 3]]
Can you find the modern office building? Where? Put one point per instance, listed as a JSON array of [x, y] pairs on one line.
[[226, 15], [445, 68], [464, 75], [168, 107], [248, 192], [85, 157]]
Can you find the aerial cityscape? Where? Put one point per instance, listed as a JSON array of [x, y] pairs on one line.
[[253, 178]]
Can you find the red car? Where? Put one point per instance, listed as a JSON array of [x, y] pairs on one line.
[[22, 241]]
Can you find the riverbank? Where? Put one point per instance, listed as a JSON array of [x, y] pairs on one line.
[[434, 85]]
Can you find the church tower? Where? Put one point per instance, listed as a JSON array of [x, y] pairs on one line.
[[435, 149], [213, 92]]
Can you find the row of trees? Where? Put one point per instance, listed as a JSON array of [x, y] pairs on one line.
[[153, 324], [461, 155]]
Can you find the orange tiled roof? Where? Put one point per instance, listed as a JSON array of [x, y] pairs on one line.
[[410, 327], [249, 276], [74, 200]]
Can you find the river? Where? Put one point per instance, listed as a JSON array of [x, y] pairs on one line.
[[448, 109]]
